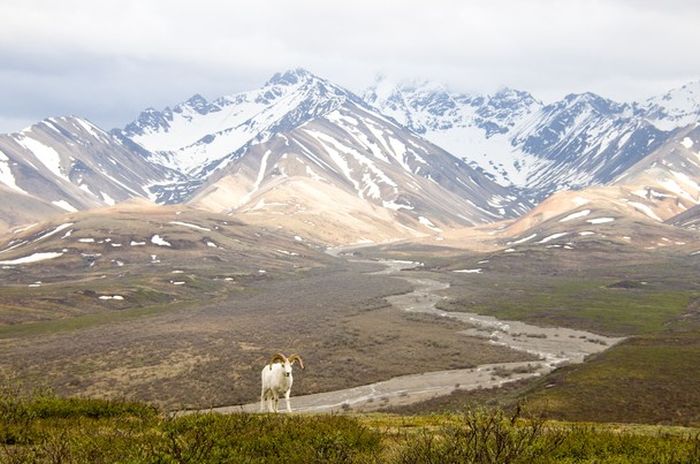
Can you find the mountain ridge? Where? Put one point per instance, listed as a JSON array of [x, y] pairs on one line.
[[397, 147]]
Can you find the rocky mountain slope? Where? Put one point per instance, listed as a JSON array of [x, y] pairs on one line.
[[689, 219], [579, 141], [69, 164], [663, 188]]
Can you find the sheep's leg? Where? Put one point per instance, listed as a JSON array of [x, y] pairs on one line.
[[286, 397], [276, 404], [262, 400]]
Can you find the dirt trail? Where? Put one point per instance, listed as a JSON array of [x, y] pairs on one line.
[[553, 346]]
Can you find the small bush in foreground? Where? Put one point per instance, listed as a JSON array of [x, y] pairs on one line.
[[490, 436], [485, 437]]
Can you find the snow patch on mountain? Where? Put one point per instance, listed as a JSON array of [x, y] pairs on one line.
[[46, 155], [64, 205], [6, 175]]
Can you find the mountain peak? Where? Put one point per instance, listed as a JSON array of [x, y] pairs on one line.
[[594, 101], [677, 107], [511, 94], [291, 77], [196, 100]]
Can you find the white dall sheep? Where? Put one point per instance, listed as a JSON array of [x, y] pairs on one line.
[[277, 380]]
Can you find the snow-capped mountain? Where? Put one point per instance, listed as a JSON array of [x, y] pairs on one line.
[[299, 126], [663, 186], [358, 153], [69, 164], [225, 153], [572, 143], [676, 108], [351, 152], [583, 140], [196, 137], [408, 157], [473, 127], [667, 182]]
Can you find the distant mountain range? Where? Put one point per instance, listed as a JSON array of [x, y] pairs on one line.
[[402, 160], [581, 140]]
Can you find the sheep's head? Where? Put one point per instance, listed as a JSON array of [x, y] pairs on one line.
[[282, 359]]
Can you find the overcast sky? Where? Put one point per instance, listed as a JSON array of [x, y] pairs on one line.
[[107, 60]]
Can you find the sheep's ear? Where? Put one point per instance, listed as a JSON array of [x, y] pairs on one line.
[[296, 357]]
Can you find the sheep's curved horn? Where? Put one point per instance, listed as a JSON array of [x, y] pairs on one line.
[[277, 357], [296, 357]]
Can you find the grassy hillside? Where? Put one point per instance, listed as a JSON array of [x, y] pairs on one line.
[[46, 429]]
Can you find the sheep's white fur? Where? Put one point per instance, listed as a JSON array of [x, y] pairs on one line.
[[277, 379]]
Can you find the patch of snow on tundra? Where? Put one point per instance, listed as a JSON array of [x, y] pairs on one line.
[[33, 258], [642, 208], [523, 240], [135, 243], [687, 142], [54, 231], [600, 220], [552, 237], [576, 215], [190, 225], [580, 201], [469, 271], [158, 240]]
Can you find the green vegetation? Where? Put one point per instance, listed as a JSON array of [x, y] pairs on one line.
[[43, 428], [85, 321], [491, 437], [46, 429], [650, 378], [588, 303], [614, 311]]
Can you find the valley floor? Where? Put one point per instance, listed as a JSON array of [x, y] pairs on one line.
[[204, 355], [356, 324]]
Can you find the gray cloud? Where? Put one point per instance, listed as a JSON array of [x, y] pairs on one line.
[[108, 60]]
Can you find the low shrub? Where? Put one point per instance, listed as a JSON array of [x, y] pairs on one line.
[[485, 437]]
